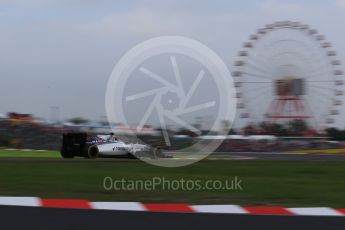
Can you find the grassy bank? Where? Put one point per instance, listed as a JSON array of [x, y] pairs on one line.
[[320, 151], [29, 153], [290, 183]]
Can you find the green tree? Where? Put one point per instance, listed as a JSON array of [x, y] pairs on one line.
[[78, 120], [273, 129], [297, 127], [336, 134]]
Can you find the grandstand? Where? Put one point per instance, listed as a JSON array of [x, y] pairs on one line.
[[26, 132]]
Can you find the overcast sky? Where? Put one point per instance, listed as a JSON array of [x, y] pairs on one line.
[[61, 52]]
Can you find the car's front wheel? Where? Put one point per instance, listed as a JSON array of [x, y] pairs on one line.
[[132, 156], [157, 152]]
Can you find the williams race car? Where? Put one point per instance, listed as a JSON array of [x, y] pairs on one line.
[[93, 146]]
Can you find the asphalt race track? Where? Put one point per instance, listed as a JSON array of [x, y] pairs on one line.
[[57, 219], [279, 156]]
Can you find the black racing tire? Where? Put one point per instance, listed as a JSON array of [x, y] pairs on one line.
[[92, 152], [157, 152], [131, 156], [66, 154]]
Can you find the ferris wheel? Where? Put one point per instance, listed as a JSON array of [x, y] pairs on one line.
[[288, 71]]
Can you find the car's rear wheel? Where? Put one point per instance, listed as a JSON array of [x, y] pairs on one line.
[[92, 152]]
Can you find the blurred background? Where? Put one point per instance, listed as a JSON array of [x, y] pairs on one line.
[[56, 58]]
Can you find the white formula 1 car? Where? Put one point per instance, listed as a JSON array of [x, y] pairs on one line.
[[93, 146]]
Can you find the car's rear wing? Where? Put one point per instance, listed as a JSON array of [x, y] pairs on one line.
[[74, 143]]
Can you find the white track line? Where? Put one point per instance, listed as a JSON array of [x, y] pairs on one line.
[[128, 206], [21, 201], [322, 211], [219, 209]]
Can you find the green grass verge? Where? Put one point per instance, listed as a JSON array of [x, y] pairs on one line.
[[320, 151], [22, 153], [289, 183]]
